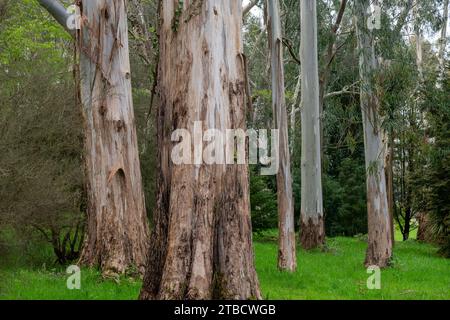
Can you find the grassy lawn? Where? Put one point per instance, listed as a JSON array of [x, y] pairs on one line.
[[337, 273]]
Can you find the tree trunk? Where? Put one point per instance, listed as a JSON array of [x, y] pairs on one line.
[[423, 233], [379, 250], [442, 46], [389, 173], [117, 231], [419, 43], [312, 231], [286, 239], [294, 109], [201, 244]]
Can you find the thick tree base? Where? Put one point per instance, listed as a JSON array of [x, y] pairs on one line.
[[423, 232], [286, 265], [113, 263], [312, 234], [381, 261]]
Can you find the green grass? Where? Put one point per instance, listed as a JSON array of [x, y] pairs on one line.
[[26, 284], [337, 273]]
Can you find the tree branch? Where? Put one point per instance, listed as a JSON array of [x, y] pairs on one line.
[[346, 90], [249, 7], [59, 12], [402, 17], [287, 43], [331, 53]]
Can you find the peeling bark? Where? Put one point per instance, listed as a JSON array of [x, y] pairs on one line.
[[379, 251], [312, 232], [201, 244], [117, 232]]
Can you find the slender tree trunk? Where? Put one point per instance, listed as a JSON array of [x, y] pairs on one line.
[[389, 173], [286, 239], [201, 244], [419, 42], [312, 230], [442, 46], [294, 110], [117, 231], [379, 250]]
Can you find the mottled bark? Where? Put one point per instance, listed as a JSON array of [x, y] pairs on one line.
[[286, 230], [117, 232], [312, 231], [379, 251], [201, 245]]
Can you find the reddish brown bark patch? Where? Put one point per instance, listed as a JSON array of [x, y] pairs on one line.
[[312, 235]]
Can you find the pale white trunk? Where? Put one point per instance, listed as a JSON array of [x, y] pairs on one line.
[[117, 231], [286, 242], [294, 111], [419, 42], [379, 250], [442, 46], [312, 224]]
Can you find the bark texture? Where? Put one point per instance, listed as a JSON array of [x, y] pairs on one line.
[[117, 231], [286, 230], [201, 245], [379, 249], [312, 231]]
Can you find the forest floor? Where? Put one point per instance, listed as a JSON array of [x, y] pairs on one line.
[[334, 273]]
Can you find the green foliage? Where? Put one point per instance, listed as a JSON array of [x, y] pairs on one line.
[[263, 199], [432, 183], [345, 200], [177, 16]]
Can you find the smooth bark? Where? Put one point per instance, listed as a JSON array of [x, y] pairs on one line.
[[286, 230], [59, 12], [379, 251], [312, 233]]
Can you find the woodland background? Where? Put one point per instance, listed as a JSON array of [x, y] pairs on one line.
[[42, 193]]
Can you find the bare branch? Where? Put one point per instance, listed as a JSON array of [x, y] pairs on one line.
[[249, 7], [288, 44], [346, 90], [59, 12]]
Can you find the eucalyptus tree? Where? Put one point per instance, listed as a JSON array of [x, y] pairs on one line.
[[379, 251], [201, 244], [286, 229], [117, 231], [312, 231]]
